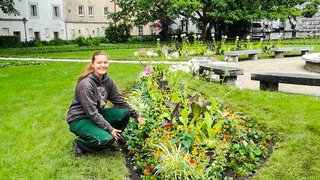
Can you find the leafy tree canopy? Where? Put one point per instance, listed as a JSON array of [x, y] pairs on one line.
[[203, 12], [7, 7]]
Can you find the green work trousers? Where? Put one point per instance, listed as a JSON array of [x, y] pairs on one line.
[[93, 138]]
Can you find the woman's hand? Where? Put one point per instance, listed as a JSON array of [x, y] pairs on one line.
[[141, 120], [115, 134]]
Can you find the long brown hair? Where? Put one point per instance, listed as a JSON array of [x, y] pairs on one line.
[[89, 69]]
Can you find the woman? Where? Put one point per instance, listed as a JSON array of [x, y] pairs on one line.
[[96, 127]]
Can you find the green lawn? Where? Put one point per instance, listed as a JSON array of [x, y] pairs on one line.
[[35, 140], [36, 143]]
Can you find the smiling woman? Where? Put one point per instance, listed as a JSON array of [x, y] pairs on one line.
[[96, 127]]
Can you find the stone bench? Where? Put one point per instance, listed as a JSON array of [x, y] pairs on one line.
[[253, 54], [270, 81], [279, 52], [226, 74]]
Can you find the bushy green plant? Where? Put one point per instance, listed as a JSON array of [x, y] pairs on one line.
[[118, 33], [9, 41]]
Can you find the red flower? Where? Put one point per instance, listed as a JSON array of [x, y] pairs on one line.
[[130, 151], [151, 168], [136, 153], [168, 125]]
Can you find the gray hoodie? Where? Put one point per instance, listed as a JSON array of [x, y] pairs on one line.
[[90, 97]]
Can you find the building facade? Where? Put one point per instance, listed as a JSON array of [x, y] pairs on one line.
[[63, 19], [38, 20]]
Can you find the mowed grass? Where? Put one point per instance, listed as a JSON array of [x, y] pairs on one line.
[[36, 143], [293, 118], [35, 139]]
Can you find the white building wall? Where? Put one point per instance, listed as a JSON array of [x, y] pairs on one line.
[[44, 24]]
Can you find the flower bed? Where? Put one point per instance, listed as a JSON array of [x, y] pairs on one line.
[[188, 136]]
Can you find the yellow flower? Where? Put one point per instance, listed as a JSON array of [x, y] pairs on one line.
[[194, 151], [202, 155]]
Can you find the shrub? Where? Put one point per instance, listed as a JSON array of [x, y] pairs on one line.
[[82, 41], [118, 33], [9, 41]]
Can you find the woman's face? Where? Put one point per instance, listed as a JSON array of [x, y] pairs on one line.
[[100, 65]]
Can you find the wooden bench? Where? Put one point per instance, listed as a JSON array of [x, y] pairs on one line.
[[253, 54], [226, 74], [270, 81], [279, 52]]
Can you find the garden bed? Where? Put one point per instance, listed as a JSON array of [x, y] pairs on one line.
[[190, 136]]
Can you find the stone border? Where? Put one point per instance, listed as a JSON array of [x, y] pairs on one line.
[[312, 62]]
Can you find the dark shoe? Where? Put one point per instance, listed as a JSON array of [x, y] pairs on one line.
[[114, 148], [122, 141], [77, 151]]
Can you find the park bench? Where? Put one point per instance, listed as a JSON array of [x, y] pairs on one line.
[[253, 54], [279, 52], [227, 74], [270, 81]]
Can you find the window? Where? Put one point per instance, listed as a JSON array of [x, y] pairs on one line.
[[152, 30], [80, 10], [47, 32], [55, 11], [34, 10], [5, 31], [17, 34], [140, 30], [37, 36], [55, 35], [90, 11], [105, 11]]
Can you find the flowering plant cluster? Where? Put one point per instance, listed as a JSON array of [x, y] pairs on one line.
[[188, 136], [185, 48]]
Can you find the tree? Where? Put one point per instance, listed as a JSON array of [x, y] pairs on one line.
[[208, 13], [7, 7], [141, 12]]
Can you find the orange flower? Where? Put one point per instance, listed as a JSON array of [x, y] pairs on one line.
[[192, 161], [226, 137]]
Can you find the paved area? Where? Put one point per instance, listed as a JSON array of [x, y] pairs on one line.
[[289, 65]]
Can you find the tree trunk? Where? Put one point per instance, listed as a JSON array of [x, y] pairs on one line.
[[204, 31]]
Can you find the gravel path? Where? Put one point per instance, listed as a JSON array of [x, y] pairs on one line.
[[288, 65]]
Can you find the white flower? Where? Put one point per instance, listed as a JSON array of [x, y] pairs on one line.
[[199, 36], [261, 39], [237, 37], [225, 37], [175, 36], [212, 35], [158, 39], [248, 37], [155, 54], [149, 53], [136, 53], [175, 55]]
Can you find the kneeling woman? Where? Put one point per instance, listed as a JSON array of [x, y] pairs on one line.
[[96, 127]]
